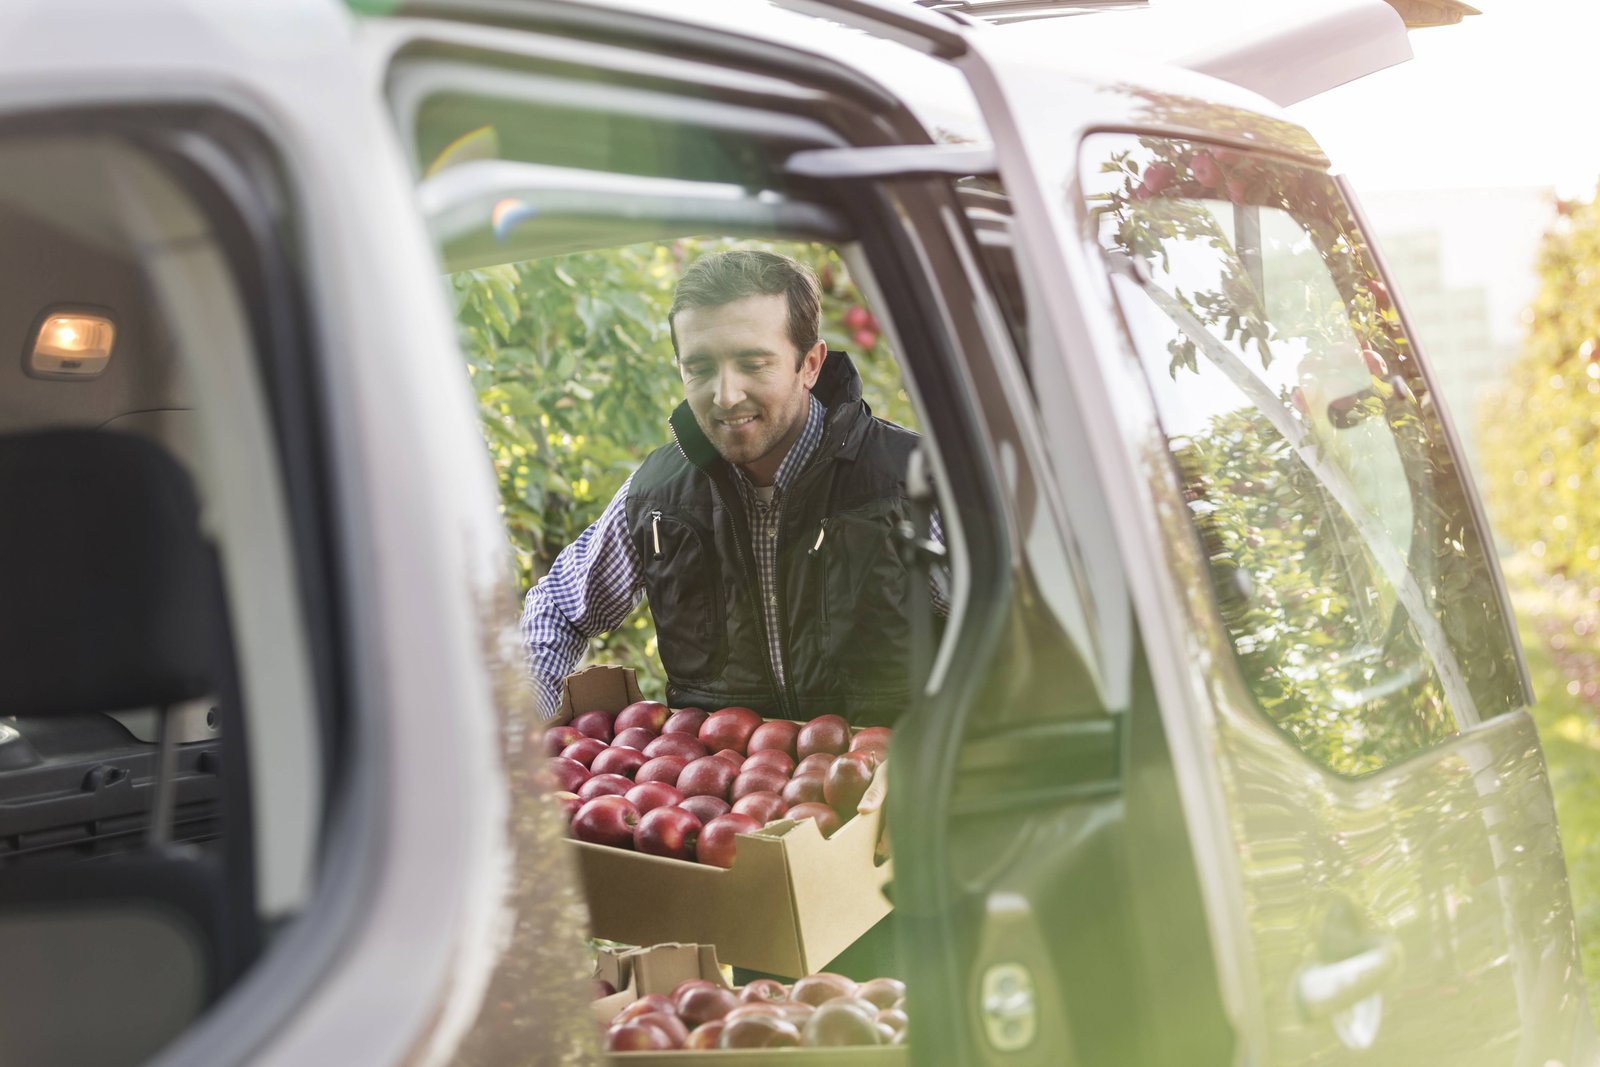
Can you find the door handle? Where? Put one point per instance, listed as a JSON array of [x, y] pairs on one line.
[[1326, 989]]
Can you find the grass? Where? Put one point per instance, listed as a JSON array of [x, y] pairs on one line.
[[1564, 662]]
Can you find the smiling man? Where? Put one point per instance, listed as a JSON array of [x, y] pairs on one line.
[[763, 536]]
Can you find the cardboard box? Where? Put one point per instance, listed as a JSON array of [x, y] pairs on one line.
[[792, 901], [660, 968]]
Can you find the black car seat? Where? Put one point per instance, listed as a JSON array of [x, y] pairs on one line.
[[111, 598]]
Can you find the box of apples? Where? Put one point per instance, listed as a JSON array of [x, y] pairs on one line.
[[719, 827], [675, 1008]]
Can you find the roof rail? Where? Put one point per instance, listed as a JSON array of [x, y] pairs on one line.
[[895, 19], [1001, 12], [1417, 14]]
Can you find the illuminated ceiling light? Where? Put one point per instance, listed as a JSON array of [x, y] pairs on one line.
[[71, 343]]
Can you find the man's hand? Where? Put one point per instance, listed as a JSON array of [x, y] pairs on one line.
[[871, 801]]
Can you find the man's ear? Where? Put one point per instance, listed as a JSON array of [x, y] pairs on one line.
[[811, 364]]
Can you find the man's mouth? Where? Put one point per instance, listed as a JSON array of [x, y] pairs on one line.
[[734, 424]]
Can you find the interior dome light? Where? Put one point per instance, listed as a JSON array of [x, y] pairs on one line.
[[71, 344]]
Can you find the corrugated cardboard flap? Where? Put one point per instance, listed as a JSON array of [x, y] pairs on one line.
[[744, 910], [831, 912], [638, 972], [603, 687]]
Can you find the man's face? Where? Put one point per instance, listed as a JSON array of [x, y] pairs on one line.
[[740, 377]]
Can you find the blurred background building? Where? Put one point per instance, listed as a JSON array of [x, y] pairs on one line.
[[1463, 260]]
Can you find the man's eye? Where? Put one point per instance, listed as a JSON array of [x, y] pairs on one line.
[[694, 371]]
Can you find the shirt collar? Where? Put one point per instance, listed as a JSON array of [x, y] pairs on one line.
[[799, 453]]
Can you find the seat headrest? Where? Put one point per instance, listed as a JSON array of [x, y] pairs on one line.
[[108, 591]]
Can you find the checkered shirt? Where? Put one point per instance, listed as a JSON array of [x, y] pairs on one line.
[[763, 520]]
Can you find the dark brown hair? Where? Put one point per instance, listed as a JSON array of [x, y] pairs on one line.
[[723, 277]]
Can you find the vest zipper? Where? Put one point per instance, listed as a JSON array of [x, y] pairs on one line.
[[752, 580], [655, 532], [822, 531]]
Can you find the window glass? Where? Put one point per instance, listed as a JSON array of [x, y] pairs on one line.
[[1343, 557]]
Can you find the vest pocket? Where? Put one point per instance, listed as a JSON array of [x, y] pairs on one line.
[[865, 602], [681, 585]]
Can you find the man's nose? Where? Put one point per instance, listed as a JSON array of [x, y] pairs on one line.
[[730, 389]]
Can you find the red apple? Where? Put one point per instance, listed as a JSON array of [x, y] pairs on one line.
[[729, 728], [602, 785], [717, 840], [631, 1037], [645, 1005], [873, 754], [661, 769], [601, 988], [838, 1023], [633, 737], [709, 776], [773, 1009], [667, 1024], [687, 984], [762, 990], [883, 992], [623, 761], [803, 789], [846, 781], [827, 820], [559, 737], [825, 733], [817, 989], [758, 1031], [648, 796], [686, 746], [775, 758], [817, 763], [704, 1036], [735, 758], [568, 803], [705, 808], [758, 780], [669, 832], [647, 714], [779, 734], [764, 806], [569, 774], [702, 1004], [584, 750], [595, 724], [871, 735], [686, 721], [606, 820]]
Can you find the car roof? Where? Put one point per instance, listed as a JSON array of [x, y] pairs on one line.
[[1109, 84]]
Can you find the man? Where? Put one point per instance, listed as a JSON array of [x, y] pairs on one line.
[[763, 536]]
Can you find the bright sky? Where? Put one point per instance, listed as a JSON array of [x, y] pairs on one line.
[[1505, 98]]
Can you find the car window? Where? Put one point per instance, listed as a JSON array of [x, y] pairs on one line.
[[1344, 561], [161, 789]]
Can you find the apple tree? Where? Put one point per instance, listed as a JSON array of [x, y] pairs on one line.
[[1541, 431]]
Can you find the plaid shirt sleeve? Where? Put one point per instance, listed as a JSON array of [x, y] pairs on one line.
[[939, 574], [592, 587]]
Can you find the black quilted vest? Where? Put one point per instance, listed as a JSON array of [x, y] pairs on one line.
[[843, 607]]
